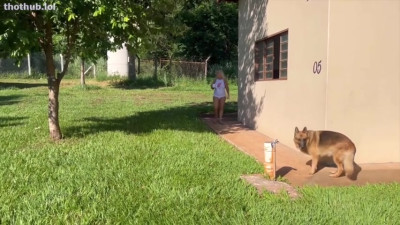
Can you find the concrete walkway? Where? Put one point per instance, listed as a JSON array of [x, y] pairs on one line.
[[294, 165]]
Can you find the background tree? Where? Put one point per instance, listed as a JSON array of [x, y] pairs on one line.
[[74, 28], [162, 38], [192, 30], [212, 29]]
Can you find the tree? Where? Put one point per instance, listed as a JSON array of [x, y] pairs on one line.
[[161, 40], [212, 30], [73, 28], [192, 29]]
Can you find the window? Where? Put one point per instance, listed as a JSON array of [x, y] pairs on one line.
[[271, 57]]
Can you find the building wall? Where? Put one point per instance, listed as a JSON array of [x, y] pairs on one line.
[[276, 107], [252, 26], [363, 80], [319, 32]]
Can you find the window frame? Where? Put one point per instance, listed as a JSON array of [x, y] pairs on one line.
[[276, 53]]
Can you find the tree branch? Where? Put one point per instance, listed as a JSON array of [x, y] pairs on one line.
[[38, 24], [71, 38]]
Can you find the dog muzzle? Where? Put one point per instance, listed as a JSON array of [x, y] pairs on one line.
[[302, 144]]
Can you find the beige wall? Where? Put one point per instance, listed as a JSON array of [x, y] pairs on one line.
[[252, 26], [363, 80], [320, 30]]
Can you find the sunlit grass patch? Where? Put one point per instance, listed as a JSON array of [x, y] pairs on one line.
[[143, 156]]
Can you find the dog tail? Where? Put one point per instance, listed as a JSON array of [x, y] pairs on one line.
[[349, 164]]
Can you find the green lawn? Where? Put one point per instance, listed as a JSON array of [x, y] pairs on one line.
[[142, 156]]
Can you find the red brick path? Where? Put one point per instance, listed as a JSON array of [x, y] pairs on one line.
[[292, 164]]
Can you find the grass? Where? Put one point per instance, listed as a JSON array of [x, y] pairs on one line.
[[142, 156]]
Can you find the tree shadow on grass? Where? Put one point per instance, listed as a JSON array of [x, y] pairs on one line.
[[183, 118], [139, 83], [8, 85], [11, 121], [10, 99]]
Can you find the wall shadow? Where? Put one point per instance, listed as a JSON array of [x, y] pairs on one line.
[[252, 27], [11, 121], [10, 99], [182, 118], [4, 85]]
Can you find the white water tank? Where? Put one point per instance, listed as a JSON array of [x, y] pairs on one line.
[[118, 62]]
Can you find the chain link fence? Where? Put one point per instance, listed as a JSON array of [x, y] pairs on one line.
[[34, 66], [144, 67]]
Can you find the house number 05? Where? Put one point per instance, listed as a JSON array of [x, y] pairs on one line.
[[317, 67]]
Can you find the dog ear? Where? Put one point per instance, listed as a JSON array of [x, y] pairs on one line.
[[305, 129], [296, 130]]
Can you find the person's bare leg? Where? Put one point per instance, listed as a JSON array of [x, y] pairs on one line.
[[221, 105], [216, 104]]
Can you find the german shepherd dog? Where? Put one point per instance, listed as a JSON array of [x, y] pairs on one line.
[[327, 143]]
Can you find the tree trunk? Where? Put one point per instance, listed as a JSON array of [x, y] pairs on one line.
[[54, 125], [54, 89], [53, 84], [83, 83], [155, 68], [132, 66]]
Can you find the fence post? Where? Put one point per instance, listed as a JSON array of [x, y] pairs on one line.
[[29, 64], [155, 67], [83, 83], [205, 67], [62, 62]]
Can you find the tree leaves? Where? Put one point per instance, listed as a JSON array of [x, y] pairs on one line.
[[212, 30], [91, 24], [99, 11], [71, 16], [192, 30]]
